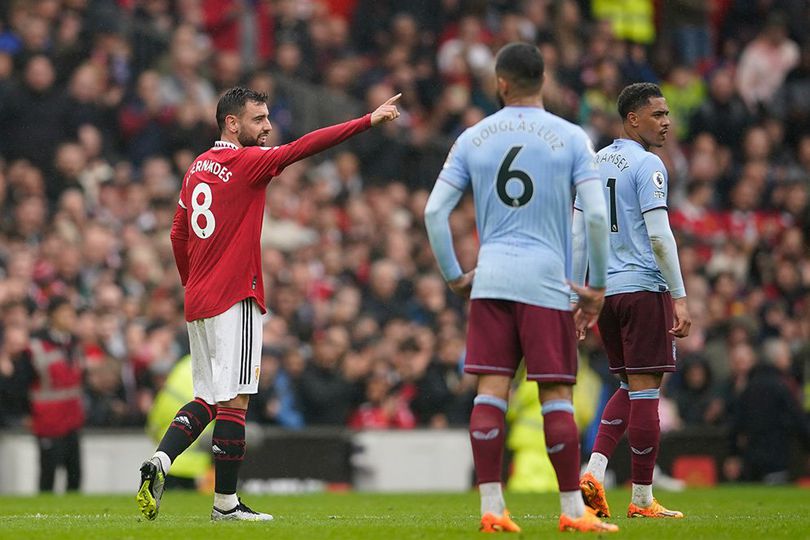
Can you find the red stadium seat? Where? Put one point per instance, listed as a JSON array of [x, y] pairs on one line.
[[696, 471]]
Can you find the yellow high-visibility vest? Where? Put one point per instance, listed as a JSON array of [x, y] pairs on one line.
[[632, 20]]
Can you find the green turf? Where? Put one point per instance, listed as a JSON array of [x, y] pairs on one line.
[[736, 512]]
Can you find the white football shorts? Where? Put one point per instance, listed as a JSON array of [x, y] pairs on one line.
[[226, 352]]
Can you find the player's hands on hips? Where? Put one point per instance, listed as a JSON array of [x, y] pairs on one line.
[[683, 322], [386, 112], [462, 285], [587, 309]]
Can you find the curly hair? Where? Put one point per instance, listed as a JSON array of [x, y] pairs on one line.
[[635, 96]]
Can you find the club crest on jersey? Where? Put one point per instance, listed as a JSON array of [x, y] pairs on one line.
[[658, 179]]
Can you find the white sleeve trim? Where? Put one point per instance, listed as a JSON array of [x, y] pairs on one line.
[[594, 211], [441, 202], [665, 250], [579, 252]]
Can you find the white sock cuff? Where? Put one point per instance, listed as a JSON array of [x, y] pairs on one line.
[[498, 403], [557, 405], [642, 494], [165, 460], [491, 498], [597, 466], [651, 393], [571, 504], [225, 502]]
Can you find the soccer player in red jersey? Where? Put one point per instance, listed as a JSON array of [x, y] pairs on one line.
[[215, 238]]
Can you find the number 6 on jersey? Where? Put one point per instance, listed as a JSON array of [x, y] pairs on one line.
[[505, 174], [202, 210]]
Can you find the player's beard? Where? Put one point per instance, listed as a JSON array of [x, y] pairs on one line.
[[244, 140], [501, 102]]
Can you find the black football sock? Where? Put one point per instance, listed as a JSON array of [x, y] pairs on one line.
[[187, 425], [228, 448]]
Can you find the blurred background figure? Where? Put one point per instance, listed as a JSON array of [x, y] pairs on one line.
[[50, 370]]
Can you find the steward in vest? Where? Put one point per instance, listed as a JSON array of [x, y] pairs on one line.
[[51, 371]]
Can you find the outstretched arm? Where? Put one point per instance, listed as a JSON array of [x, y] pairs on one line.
[[272, 161]]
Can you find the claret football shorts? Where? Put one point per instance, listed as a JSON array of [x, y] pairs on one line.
[[501, 332], [226, 352], [635, 330]]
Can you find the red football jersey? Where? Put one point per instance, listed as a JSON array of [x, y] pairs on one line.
[[218, 224]]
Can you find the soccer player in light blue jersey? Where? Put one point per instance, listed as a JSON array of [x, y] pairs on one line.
[[522, 164], [645, 305]]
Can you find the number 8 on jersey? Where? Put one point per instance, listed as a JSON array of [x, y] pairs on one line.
[[203, 210]]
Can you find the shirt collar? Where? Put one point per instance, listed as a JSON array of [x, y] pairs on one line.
[[225, 144], [625, 141]]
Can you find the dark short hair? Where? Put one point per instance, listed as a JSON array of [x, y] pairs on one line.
[[635, 96], [522, 65], [233, 102], [57, 302]]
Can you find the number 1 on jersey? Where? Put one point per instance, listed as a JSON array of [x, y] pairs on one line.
[[614, 221]]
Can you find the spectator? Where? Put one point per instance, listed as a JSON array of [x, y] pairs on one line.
[[383, 301], [762, 428], [724, 114], [327, 395], [689, 23], [765, 62], [276, 402], [34, 118], [423, 383], [244, 28], [50, 372], [383, 408], [145, 118], [693, 396]]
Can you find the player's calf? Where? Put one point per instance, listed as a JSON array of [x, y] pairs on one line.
[[188, 424]]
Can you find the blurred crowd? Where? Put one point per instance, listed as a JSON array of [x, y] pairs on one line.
[[103, 105]]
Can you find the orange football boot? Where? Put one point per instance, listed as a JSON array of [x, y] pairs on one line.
[[491, 523], [593, 493], [587, 523], [655, 510]]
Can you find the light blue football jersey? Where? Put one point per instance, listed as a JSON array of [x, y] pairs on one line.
[[634, 182], [522, 163]]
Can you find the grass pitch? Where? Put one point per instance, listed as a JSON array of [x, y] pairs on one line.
[[730, 512]]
